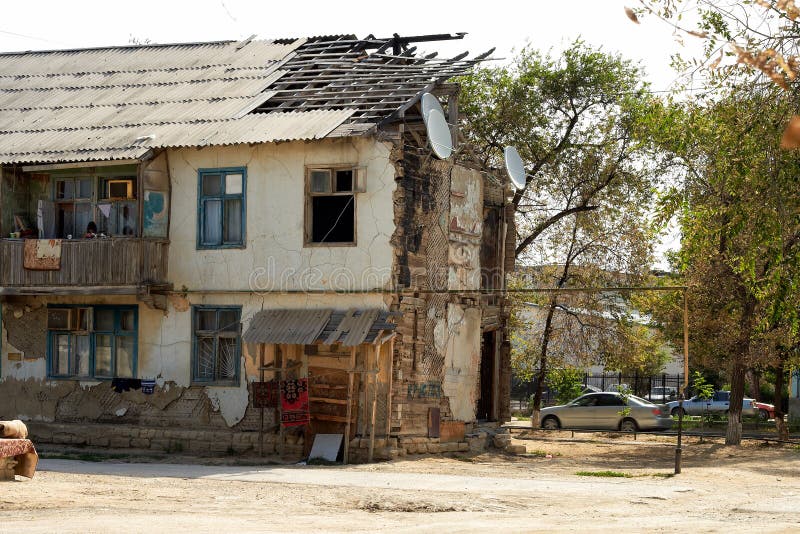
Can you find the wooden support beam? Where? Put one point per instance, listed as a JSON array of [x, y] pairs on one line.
[[349, 405]]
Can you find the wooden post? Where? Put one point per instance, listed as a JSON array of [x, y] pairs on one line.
[[261, 350], [373, 374], [350, 373], [389, 390], [280, 375]]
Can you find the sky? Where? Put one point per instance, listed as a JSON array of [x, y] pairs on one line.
[[504, 25]]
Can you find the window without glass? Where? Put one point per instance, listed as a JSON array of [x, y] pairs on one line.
[[92, 342], [221, 208], [216, 345], [331, 204]]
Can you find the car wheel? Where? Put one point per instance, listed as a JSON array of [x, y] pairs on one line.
[[676, 412], [551, 423], [763, 414], [628, 425]]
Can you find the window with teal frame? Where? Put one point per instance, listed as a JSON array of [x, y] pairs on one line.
[[99, 342], [216, 345], [221, 207]]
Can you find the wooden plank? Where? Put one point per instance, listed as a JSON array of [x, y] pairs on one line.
[[328, 400], [335, 419], [371, 351], [389, 388], [349, 406]]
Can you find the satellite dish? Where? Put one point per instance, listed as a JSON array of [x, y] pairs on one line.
[[439, 134], [514, 167], [429, 103]]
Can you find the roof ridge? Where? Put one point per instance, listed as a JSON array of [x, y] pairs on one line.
[[128, 47]]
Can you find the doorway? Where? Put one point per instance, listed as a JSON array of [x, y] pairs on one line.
[[486, 408]]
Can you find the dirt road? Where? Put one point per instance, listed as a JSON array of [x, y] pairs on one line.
[[749, 488]]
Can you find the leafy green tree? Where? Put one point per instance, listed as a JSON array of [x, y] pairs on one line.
[[567, 383], [570, 118]]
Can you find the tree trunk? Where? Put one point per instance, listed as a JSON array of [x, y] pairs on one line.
[[540, 377], [780, 393], [754, 381], [734, 434]]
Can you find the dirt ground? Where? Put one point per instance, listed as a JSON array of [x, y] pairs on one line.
[[754, 488]]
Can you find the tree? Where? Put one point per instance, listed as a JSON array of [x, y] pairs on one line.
[[737, 207], [570, 118]]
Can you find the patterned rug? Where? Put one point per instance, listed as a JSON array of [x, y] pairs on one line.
[[23, 452], [294, 402]]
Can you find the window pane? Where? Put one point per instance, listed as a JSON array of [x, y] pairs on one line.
[[320, 181], [229, 320], [212, 184], [206, 320], [126, 218], [333, 219], [233, 184], [102, 355], [125, 356], [205, 358], [212, 222], [127, 320], [233, 221], [83, 188], [83, 214], [344, 180], [227, 360], [65, 189], [61, 354], [80, 355], [103, 320]]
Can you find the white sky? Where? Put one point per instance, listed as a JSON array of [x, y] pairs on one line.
[[506, 25], [48, 24]]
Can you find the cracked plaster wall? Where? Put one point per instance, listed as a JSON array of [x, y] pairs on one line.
[[274, 256], [462, 355]]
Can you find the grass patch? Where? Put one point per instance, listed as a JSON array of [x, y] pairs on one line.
[[796, 448], [663, 475], [608, 474]]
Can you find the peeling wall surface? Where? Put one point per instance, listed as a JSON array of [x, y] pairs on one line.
[[164, 354], [466, 227], [275, 256], [462, 360]]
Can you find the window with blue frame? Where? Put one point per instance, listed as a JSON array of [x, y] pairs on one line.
[[221, 208], [216, 345], [92, 342]]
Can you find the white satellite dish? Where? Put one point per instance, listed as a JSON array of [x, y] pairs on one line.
[[429, 103], [514, 167], [439, 135]]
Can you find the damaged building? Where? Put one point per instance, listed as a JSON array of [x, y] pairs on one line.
[[236, 246]]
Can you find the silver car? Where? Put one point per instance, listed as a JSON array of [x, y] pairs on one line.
[[607, 411]]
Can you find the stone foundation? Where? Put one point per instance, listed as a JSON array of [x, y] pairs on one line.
[[221, 443]]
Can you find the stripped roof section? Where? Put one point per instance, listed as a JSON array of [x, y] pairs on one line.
[[122, 102]]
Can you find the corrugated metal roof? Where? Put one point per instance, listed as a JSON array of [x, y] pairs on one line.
[[112, 103], [294, 327], [77, 144]]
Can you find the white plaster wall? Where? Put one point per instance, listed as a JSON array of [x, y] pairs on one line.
[[275, 256], [462, 356]]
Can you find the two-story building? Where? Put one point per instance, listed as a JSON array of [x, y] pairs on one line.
[[189, 230]]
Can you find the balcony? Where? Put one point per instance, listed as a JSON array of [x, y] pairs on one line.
[[121, 265]]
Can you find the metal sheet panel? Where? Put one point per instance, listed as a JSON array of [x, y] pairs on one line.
[[70, 144], [294, 327]]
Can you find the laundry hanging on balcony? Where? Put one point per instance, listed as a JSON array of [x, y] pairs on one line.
[[42, 254]]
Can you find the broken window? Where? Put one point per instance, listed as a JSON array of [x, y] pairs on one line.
[[92, 342], [216, 345], [109, 202], [221, 220], [331, 204]]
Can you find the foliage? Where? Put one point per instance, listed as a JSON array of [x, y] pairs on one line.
[[703, 389], [570, 118], [566, 381], [607, 474]]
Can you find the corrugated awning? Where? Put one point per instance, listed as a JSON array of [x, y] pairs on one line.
[[307, 326]]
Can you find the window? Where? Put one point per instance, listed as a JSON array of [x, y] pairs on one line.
[[108, 201], [216, 345], [221, 209], [331, 204], [92, 342]]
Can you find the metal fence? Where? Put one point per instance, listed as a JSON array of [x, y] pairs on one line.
[[657, 388]]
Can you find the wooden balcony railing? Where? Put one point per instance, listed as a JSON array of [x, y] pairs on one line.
[[120, 262]]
